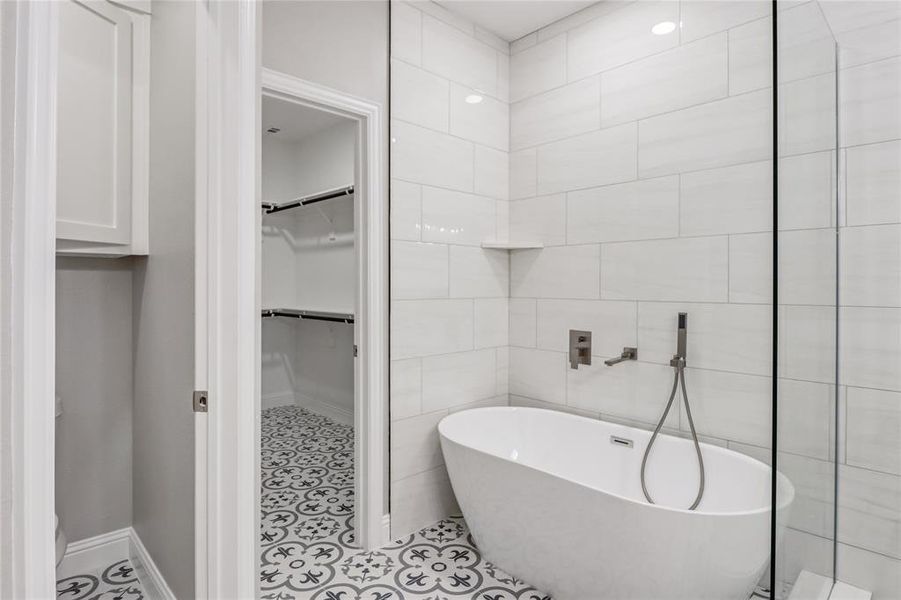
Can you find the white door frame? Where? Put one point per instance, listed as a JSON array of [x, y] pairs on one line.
[[230, 81], [370, 332], [27, 304]]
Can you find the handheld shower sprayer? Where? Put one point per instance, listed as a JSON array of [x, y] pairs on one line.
[[678, 363]]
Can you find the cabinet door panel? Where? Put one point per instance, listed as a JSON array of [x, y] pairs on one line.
[[94, 164]]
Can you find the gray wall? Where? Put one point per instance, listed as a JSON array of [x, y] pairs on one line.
[[164, 310], [94, 381]]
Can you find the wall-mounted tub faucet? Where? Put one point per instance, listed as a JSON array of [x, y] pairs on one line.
[[628, 354], [579, 348]]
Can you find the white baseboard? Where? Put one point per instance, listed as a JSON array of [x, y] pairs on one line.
[[336, 413], [92, 554], [277, 399], [155, 586]]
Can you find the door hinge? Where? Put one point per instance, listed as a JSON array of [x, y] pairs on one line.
[[200, 400], [355, 350]]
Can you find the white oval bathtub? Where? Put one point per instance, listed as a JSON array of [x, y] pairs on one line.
[[552, 500]]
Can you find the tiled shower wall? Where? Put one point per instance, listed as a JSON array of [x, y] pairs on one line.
[[449, 179], [642, 163]]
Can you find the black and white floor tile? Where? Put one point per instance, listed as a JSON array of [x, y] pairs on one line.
[[114, 582], [307, 544]]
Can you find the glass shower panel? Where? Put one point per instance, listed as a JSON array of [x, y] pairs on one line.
[[868, 549], [806, 295]]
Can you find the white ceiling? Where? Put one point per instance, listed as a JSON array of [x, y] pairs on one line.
[[512, 19], [295, 120]]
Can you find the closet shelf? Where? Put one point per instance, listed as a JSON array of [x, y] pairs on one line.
[[497, 245], [317, 315], [272, 207]]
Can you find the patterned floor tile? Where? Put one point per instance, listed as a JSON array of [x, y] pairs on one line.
[[307, 545], [114, 582]]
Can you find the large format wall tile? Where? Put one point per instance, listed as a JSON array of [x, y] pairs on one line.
[[457, 218], [523, 322], [478, 273], [685, 269], [406, 388], [619, 37], [807, 191], [871, 347], [725, 132], [425, 156], [414, 445], [629, 211], [736, 199], [873, 176], [523, 173], [874, 430], [541, 219], [492, 173], [807, 119], [691, 74], [485, 122], [750, 56], [560, 113], [406, 210], [428, 327], [538, 374], [419, 270], [869, 504], [538, 69], [807, 343], [492, 323], [591, 159], [419, 97], [459, 57], [871, 265], [555, 272], [455, 379], [724, 337], [806, 267], [701, 18], [633, 390], [613, 324], [870, 98], [406, 33]]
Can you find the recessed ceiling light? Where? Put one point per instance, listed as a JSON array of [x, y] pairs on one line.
[[663, 28], [473, 99]]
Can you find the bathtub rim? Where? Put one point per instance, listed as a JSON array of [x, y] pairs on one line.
[[784, 482]]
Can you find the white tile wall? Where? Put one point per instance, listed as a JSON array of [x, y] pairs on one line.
[[450, 170], [618, 38], [590, 159], [628, 211], [453, 217], [689, 269], [560, 113], [691, 74], [726, 132], [556, 272], [537, 69], [873, 181], [642, 162]]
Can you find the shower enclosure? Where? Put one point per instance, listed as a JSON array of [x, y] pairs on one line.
[[736, 161]]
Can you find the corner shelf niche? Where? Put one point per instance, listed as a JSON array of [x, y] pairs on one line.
[[521, 245]]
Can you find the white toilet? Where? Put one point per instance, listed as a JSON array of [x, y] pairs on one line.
[[60, 534]]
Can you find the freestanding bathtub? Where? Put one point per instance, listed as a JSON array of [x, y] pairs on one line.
[[555, 499]]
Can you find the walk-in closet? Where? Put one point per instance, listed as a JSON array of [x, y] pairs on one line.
[[307, 336]]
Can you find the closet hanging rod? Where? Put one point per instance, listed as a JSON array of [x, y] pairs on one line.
[[316, 315], [271, 207]]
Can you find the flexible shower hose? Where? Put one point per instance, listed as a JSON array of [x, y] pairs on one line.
[[680, 376]]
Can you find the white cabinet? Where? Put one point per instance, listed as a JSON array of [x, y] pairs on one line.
[[102, 128]]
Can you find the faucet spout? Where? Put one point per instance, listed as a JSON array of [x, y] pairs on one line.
[[628, 354]]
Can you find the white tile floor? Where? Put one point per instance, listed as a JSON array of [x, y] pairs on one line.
[[113, 582]]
